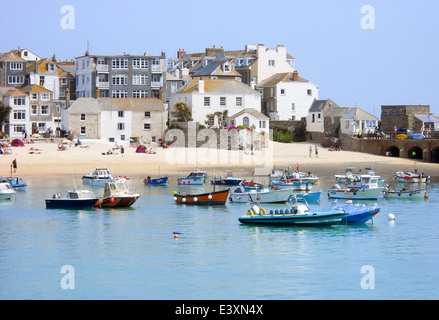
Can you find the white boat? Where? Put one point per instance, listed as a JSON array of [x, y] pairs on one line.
[[98, 178], [295, 177], [196, 177], [411, 177], [116, 194], [369, 190], [266, 195], [288, 184], [6, 191], [405, 193], [351, 180]]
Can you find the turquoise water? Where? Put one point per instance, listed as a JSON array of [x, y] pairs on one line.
[[132, 254]]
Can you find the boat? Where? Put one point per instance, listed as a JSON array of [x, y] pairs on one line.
[[351, 180], [116, 194], [411, 177], [299, 214], [288, 184], [98, 178], [367, 190], [349, 175], [228, 180], [405, 193], [16, 183], [357, 213], [163, 181], [251, 185], [417, 136], [302, 177], [6, 191], [196, 177], [215, 198], [74, 199], [266, 195]]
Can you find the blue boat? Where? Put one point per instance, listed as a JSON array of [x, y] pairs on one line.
[[75, 199], [299, 214], [163, 181], [16, 183], [357, 213], [228, 180]]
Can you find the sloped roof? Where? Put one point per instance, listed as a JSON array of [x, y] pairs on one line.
[[251, 111], [217, 86], [35, 88], [427, 117], [317, 106], [11, 56], [214, 68], [280, 77], [42, 67], [358, 114], [96, 105]]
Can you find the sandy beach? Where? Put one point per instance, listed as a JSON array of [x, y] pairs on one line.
[[45, 159]]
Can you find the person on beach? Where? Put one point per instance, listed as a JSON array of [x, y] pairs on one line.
[[14, 165], [310, 151], [317, 152], [122, 150]]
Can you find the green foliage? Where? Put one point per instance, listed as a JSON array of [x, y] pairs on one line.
[[288, 134], [4, 112], [184, 110]]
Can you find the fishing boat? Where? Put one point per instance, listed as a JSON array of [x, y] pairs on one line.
[[288, 184], [302, 177], [351, 180], [349, 175], [405, 193], [98, 178], [357, 213], [228, 180], [251, 185], [163, 181], [299, 214], [266, 195], [16, 183], [6, 191], [369, 190], [411, 177], [196, 177], [116, 194], [74, 199], [215, 198]]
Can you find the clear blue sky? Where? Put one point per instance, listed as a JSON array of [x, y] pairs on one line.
[[394, 63]]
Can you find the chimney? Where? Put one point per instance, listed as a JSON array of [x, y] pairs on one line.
[[180, 53], [201, 85], [295, 76]]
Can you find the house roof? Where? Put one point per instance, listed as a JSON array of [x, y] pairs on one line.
[[427, 117], [255, 113], [42, 67], [11, 56], [275, 79], [217, 86], [319, 105], [17, 93], [214, 68], [97, 105], [358, 114], [35, 88]]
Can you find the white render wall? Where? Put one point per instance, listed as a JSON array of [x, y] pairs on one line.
[[84, 89], [295, 92], [279, 55], [109, 123], [317, 125]]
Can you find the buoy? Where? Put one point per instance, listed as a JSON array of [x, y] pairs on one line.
[[112, 199], [184, 200], [258, 198], [391, 216], [175, 198], [97, 203], [195, 199], [175, 236], [209, 196], [426, 196]]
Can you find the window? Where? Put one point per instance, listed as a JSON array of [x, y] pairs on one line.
[[102, 62], [120, 79], [147, 126], [155, 93], [19, 115], [120, 114], [45, 110], [293, 107], [50, 67], [147, 114], [309, 92], [319, 115], [15, 66], [140, 79], [246, 122], [120, 94], [120, 63], [122, 137], [207, 101], [82, 116], [223, 101], [18, 128], [313, 118], [34, 109], [62, 92], [19, 101], [64, 82], [293, 117], [153, 139], [262, 124], [282, 92], [226, 67], [15, 79], [121, 126], [239, 101], [156, 61], [271, 63], [42, 81], [140, 63], [34, 96], [45, 96], [140, 94], [83, 130], [156, 77]]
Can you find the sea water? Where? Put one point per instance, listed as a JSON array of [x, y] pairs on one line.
[[132, 253]]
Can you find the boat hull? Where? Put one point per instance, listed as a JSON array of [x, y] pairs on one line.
[[6, 196], [156, 182], [118, 201], [412, 179], [191, 181], [356, 194], [205, 199], [70, 204], [227, 182], [357, 214], [309, 219], [405, 194], [263, 196]]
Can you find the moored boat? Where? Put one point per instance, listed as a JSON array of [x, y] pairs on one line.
[[163, 181], [74, 199], [411, 177], [357, 213], [196, 177], [228, 180], [6, 191], [267, 195], [214, 198], [368, 190], [405, 193], [116, 194], [299, 214], [98, 178], [16, 183]]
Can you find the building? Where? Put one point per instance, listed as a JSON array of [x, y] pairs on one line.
[[206, 97], [19, 115], [120, 120], [12, 70], [356, 120], [324, 117], [286, 96], [406, 117], [251, 118], [125, 76]]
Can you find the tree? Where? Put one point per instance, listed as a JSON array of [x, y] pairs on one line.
[[222, 118], [4, 113], [184, 110]]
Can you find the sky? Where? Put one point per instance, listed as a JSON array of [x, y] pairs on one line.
[[362, 53]]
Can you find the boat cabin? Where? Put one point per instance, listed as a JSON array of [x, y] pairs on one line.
[[115, 187]]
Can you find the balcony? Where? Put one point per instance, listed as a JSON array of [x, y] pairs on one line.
[[103, 85], [156, 69], [102, 67]]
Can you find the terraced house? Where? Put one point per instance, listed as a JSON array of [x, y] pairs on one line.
[[123, 76]]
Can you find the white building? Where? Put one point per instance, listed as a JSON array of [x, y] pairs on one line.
[[216, 95], [356, 120], [286, 96], [251, 118]]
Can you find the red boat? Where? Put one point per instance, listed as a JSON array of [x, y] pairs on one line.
[[216, 198]]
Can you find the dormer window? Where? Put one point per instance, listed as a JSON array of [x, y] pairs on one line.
[[50, 67], [226, 67]]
